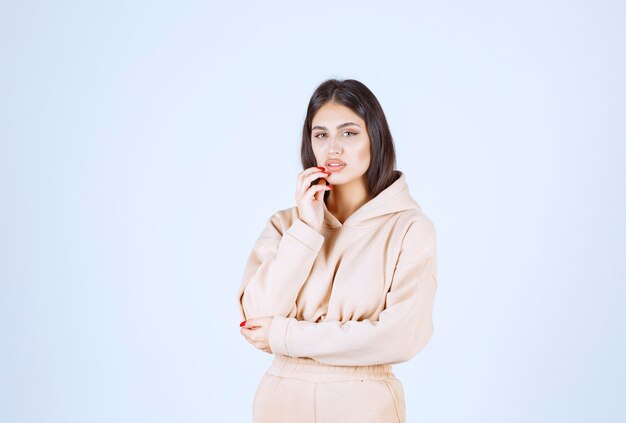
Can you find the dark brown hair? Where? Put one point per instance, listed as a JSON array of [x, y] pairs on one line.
[[358, 98]]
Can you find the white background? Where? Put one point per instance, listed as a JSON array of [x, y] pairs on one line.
[[145, 144]]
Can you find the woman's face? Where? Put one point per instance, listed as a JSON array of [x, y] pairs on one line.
[[340, 135]]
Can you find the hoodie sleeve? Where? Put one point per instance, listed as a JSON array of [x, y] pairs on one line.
[[402, 330], [276, 269]]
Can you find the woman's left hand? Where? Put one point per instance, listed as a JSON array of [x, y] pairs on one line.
[[256, 332]]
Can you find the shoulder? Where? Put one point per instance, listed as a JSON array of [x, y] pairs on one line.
[[419, 235], [281, 220], [415, 220]]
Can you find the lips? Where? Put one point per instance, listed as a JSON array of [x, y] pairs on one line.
[[335, 165]]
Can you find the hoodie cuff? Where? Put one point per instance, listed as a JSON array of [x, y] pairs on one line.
[[308, 236], [278, 335]]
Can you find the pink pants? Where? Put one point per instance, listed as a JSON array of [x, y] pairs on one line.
[[301, 390]]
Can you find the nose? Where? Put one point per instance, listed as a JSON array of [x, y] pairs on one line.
[[334, 146]]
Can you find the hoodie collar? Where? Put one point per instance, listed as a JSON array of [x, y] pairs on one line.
[[395, 198]]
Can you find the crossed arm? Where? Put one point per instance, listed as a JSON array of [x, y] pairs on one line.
[[277, 269]]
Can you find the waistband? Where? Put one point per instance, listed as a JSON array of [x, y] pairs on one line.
[[313, 371]]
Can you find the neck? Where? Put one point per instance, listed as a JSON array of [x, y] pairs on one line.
[[345, 199]]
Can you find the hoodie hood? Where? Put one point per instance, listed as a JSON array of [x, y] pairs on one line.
[[393, 199]]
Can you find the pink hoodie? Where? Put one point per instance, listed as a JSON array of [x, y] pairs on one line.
[[357, 293]]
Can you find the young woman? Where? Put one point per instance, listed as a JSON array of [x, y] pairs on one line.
[[341, 286]]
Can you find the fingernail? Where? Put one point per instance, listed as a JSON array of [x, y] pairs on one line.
[[242, 323], [330, 186], [320, 167]]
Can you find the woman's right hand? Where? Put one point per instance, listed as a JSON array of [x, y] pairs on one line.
[[310, 199]]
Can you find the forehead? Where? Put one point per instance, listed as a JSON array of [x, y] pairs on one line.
[[334, 114]]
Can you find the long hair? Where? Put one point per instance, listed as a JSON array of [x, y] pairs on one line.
[[358, 98]]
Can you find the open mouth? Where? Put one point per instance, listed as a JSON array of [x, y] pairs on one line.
[[335, 166]]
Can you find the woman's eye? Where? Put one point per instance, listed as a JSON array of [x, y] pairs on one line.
[[345, 133]]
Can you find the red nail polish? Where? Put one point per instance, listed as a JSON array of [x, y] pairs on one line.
[[320, 167], [330, 186], [242, 323]]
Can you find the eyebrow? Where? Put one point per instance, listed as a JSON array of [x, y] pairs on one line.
[[343, 125]]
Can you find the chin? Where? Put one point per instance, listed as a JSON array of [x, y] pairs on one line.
[[339, 180]]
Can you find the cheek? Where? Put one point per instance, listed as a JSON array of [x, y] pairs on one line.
[[316, 149], [320, 155], [363, 153]]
